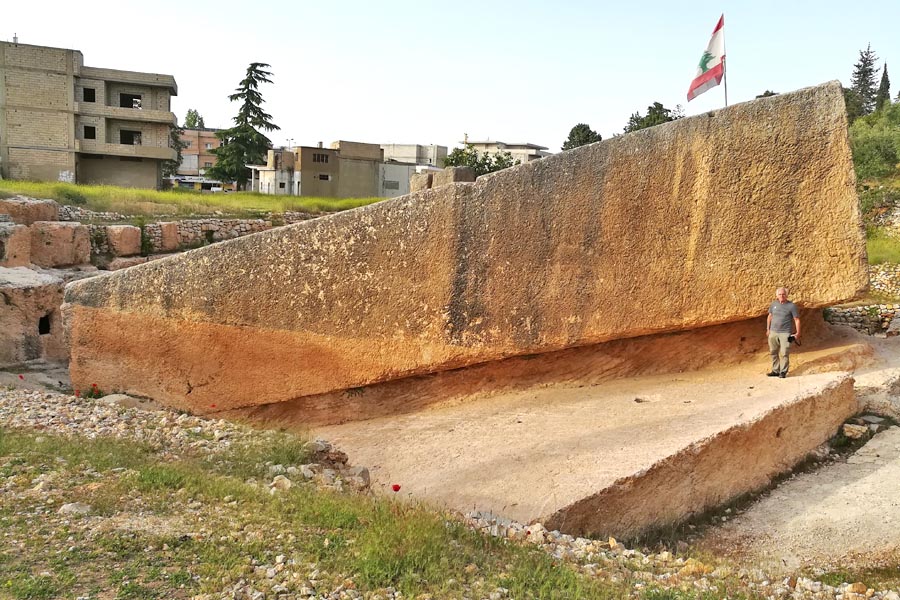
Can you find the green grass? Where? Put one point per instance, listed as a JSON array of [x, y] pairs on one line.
[[378, 542], [881, 247], [150, 203]]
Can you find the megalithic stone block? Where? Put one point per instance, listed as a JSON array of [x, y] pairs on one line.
[[684, 225]]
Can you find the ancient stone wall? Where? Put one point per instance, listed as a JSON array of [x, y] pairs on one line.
[[684, 225]]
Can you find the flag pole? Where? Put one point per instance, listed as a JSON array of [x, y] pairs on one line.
[[724, 66], [725, 78]]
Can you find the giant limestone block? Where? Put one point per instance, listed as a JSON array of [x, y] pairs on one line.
[[684, 225], [60, 244], [25, 211]]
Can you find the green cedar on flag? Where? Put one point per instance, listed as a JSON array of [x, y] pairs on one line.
[[712, 64]]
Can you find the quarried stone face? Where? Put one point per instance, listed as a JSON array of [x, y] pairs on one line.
[[60, 244], [15, 245], [688, 224], [124, 240], [26, 211], [30, 325]]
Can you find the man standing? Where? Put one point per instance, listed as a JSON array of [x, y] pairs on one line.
[[782, 315]]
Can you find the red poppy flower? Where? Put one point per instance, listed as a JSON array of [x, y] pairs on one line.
[[78, 393], [396, 487], [93, 385], [22, 377]]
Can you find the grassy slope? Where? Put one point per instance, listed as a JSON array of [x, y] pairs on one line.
[[132, 201]]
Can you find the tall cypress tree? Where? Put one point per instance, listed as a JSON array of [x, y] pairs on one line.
[[244, 144], [884, 90], [862, 82]]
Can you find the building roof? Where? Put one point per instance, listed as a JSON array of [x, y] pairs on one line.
[[500, 144]]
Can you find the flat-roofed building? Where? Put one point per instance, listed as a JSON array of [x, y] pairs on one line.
[[63, 121], [523, 152]]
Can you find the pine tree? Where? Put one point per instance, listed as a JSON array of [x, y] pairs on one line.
[[580, 135], [862, 82], [244, 144], [884, 90]]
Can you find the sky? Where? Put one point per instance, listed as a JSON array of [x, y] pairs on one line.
[[424, 72]]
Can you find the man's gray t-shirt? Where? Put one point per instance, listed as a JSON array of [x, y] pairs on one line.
[[783, 316]]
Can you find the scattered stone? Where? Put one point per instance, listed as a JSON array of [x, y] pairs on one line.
[[280, 483], [74, 508], [855, 432]]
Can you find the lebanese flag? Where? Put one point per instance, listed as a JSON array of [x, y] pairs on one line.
[[712, 64]]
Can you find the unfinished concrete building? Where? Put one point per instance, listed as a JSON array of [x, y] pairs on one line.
[[63, 121]]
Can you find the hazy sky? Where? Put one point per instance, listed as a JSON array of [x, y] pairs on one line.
[[428, 72]]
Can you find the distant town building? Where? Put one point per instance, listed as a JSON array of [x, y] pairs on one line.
[[345, 170], [416, 154], [63, 121], [522, 152], [196, 158]]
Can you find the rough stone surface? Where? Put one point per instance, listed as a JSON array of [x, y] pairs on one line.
[[124, 240], [26, 297], [666, 229], [419, 182], [15, 245], [60, 244], [452, 175], [26, 211], [168, 237]]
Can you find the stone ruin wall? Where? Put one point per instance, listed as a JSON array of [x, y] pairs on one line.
[[676, 227]]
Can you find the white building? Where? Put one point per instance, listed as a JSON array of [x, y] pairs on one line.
[[522, 152], [417, 154]]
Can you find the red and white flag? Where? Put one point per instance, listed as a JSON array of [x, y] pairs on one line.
[[712, 64]]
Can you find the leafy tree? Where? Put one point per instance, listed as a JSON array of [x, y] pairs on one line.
[[481, 162], [767, 93], [170, 167], [883, 95], [193, 120], [656, 115], [244, 144], [580, 135], [862, 82], [875, 143]]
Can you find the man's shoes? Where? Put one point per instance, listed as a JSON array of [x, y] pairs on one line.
[[783, 375], [773, 374]]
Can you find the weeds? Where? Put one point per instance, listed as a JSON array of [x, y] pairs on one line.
[[152, 203]]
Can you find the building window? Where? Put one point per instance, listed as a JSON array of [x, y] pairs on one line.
[[130, 100], [281, 185], [207, 165], [187, 144], [324, 177], [209, 145], [130, 138], [320, 158], [89, 95], [90, 132]]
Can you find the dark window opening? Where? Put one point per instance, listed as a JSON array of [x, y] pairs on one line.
[[281, 185], [323, 177], [44, 325], [130, 100], [130, 138], [90, 132], [320, 158], [89, 95]]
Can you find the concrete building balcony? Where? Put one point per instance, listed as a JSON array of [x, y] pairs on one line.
[[148, 79], [93, 109], [95, 147]]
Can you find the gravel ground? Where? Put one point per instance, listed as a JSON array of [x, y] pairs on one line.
[[172, 433]]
